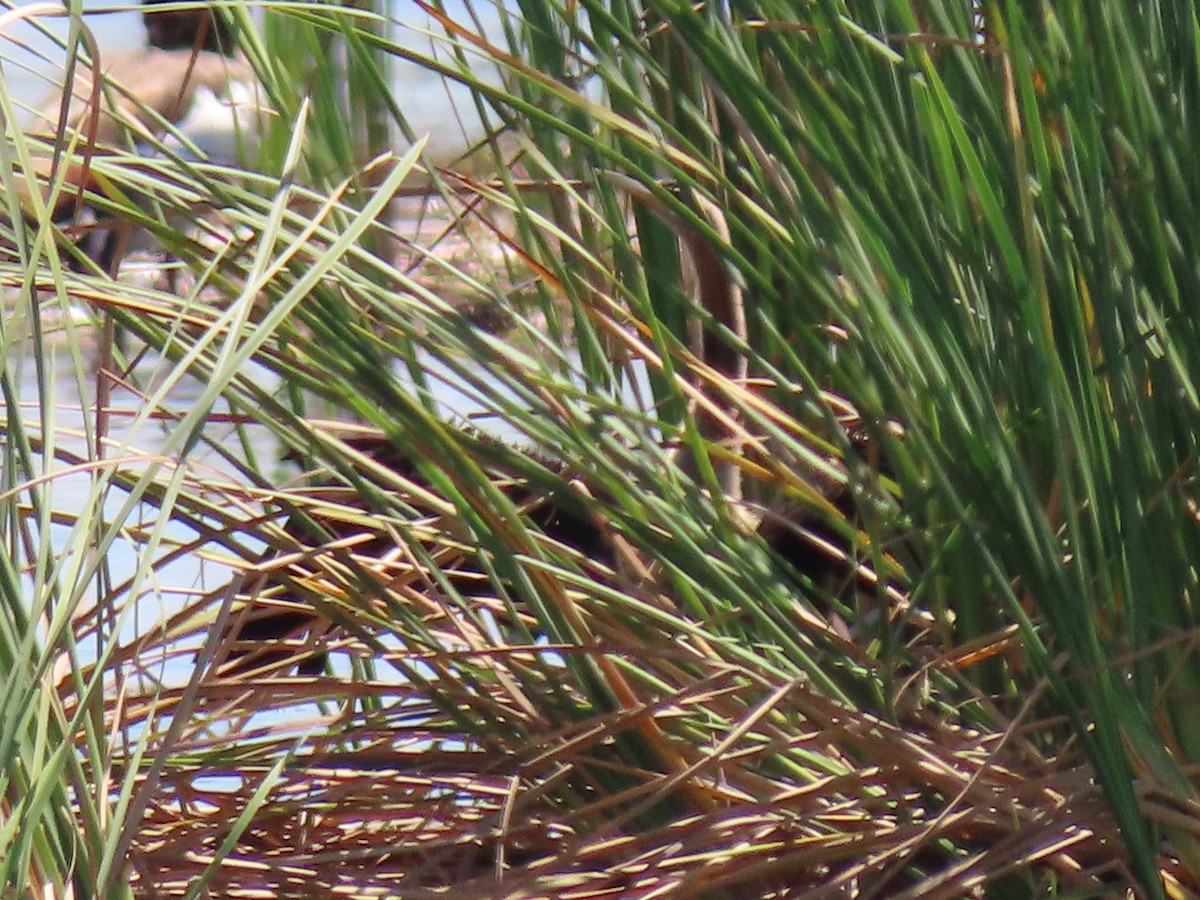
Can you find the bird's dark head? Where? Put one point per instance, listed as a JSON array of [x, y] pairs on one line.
[[200, 28]]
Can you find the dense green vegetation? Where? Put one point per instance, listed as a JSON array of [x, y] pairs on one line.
[[842, 537]]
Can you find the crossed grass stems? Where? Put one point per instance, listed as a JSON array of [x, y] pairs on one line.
[[696, 706]]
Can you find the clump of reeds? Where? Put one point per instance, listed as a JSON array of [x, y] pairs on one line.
[[840, 538]]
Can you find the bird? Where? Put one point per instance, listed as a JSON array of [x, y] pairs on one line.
[[186, 91], [283, 631], [287, 632]]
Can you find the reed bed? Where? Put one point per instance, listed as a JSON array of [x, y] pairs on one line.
[[784, 487]]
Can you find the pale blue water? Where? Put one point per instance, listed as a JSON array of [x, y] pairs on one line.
[[442, 109], [29, 56]]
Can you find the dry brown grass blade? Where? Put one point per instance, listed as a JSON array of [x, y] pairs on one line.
[[398, 808]]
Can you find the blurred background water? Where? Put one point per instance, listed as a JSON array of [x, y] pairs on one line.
[[29, 55], [443, 109]]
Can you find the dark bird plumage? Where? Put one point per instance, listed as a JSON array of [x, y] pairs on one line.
[[266, 635], [287, 631]]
